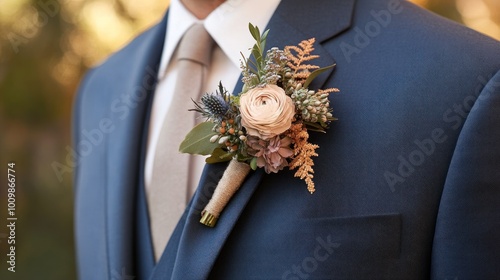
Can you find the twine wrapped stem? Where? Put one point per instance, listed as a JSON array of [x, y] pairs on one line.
[[231, 180]]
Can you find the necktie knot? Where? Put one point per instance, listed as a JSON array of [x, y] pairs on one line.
[[196, 45]]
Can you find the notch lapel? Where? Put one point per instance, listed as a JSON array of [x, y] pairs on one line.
[[286, 30], [135, 71], [198, 246]]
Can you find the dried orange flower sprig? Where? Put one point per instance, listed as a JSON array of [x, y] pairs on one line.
[[303, 151]]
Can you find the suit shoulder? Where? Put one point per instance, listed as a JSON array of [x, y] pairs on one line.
[[403, 24], [120, 59], [116, 68], [412, 18]]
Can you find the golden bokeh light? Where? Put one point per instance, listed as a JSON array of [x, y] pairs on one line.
[[478, 15]]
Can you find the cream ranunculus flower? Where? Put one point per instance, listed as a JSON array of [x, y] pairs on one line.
[[266, 111]]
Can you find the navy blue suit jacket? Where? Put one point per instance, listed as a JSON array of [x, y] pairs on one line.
[[408, 178]]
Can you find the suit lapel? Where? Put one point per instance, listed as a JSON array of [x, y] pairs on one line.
[[136, 66], [199, 245], [286, 30]]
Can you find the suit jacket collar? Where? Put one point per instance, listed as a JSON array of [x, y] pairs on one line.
[[197, 245], [297, 20]]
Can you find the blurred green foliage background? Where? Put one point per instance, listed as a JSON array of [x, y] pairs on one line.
[[45, 48]]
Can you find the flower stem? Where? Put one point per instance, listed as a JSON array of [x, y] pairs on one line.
[[231, 180]]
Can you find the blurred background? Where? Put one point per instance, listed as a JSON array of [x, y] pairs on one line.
[[45, 48]]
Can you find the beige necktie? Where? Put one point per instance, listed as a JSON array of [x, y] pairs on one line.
[[169, 190]]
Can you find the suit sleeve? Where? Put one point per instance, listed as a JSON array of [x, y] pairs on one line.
[[467, 235], [76, 124]]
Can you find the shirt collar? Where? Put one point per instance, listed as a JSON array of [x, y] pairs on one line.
[[228, 26]]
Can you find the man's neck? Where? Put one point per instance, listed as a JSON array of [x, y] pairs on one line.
[[201, 8]]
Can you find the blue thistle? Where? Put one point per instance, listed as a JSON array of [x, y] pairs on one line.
[[214, 106]]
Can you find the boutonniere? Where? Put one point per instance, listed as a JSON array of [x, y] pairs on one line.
[[266, 125]]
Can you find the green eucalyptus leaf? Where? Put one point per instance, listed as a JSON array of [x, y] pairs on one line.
[[217, 155], [243, 158], [252, 66], [264, 36], [254, 31], [244, 59], [316, 130], [263, 40], [317, 127], [253, 163], [315, 73], [227, 156], [310, 125], [258, 56], [197, 141]]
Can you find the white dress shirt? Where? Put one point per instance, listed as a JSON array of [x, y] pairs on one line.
[[228, 26]]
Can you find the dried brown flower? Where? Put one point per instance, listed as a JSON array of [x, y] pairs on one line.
[[271, 154], [303, 151], [302, 54]]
